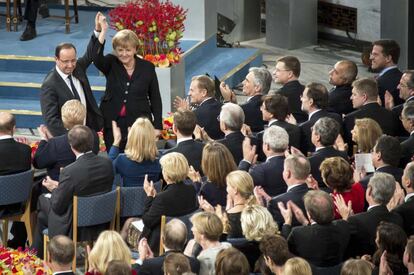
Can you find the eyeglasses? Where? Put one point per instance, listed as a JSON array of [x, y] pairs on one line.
[[67, 62]]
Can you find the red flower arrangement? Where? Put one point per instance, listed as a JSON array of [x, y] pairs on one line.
[[167, 125], [159, 26], [14, 261]]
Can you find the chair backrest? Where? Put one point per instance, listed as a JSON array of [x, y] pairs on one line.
[[186, 220], [132, 201], [94, 210], [16, 188]]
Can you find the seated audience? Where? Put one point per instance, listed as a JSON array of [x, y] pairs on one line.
[[408, 257], [407, 146], [60, 253], [207, 229], [183, 127], [337, 174], [324, 133], [140, 157], [174, 239], [176, 264], [324, 242], [231, 261], [365, 134], [109, 246], [356, 266], [341, 76], [297, 266], [268, 174], [275, 252]]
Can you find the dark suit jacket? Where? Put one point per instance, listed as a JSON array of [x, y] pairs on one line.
[[154, 266], [363, 228], [252, 114], [401, 132], [393, 171], [192, 150], [233, 142], [295, 195], [406, 211], [88, 175], [15, 157], [268, 175], [207, 114], [389, 81], [175, 200], [407, 149], [321, 245], [55, 92], [318, 157], [340, 100], [306, 144], [293, 90]]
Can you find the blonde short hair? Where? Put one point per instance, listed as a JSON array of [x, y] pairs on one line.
[[125, 38], [368, 131], [109, 246], [141, 144], [256, 221], [174, 167], [208, 224], [243, 183], [73, 113], [297, 266], [356, 267]]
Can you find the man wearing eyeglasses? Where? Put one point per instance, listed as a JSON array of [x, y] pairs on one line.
[[68, 81]]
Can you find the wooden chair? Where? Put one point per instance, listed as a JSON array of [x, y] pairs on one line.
[[12, 15], [17, 188], [67, 16]]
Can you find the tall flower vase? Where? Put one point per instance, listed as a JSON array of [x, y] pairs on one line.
[[171, 81]]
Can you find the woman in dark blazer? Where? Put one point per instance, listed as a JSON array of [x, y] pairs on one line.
[[131, 82]]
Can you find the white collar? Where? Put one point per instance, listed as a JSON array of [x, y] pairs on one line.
[[179, 140], [205, 100], [5, 137], [271, 121], [62, 74], [312, 113], [409, 195], [293, 186], [81, 154], [386, 70]]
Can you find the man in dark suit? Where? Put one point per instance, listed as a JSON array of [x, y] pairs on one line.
[[314, 103], [324, 133], [15, 157], [364, 98], [60, 251], [174, 240], [89, 174], [341, 76], [231, 121], [363, 226], [406, 209], [384, 59], [295, 172], [68, 81], [407, 146], [268, 174], [324, 242], [287, 72], [385, 158], [183, 127]]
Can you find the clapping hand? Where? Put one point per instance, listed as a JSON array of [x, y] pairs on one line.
[[344, 209], [205, 205], [181, 103], [299, 215], [388, 100], [144, 250], [149, 187], [194, 175], [50, 184], [249, 151], [286, 212], [227, 93], [116, 132]]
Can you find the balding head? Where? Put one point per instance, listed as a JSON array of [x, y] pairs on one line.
[[296, 168], [319, 206], [343, 73], [7, 123], [175, 235], [61, 250]]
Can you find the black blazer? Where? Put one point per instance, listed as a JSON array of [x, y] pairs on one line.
[[306, 144], [389, 81], [15, 157], [340, 100], [293, 91], [88, 175], [268, 175], [233, 142], [175, 200], [401, 132], [207, 114], [140, 92], [192, 150], [318, 157], [406, 211], [295, 195], [321, 244], [55, 92], [252, 114], [154, 266], [363, 228], [407, 149], [393, 171]]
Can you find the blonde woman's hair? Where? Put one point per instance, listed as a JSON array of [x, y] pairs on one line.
[[368, 131], [243, 183], [174, 167], [141, 144], [208, 224], [297, 266], [256, 221], [73, 113], [109, 246], [356, 267], [125, 38]]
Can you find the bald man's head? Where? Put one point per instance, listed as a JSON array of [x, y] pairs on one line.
[[175, 235], [7, 123]]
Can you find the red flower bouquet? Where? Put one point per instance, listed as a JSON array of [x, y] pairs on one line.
[[167, 125], [13, 262], [159, 26]]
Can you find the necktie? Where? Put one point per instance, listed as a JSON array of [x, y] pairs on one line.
[[72, 86]]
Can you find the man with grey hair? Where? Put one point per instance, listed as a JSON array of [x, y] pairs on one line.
[[255, 85], [60, 251], [363, 226], [231, 121], [324, 133], [269, 174], [407, 146]]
